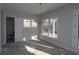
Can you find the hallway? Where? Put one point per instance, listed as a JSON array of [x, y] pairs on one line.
[[33, 47]]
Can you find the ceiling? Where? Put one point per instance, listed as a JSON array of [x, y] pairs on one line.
[[32, 8]]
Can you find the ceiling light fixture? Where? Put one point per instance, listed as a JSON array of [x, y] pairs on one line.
[[40, 7]]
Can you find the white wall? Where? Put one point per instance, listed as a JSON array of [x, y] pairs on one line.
[[65, 22], [18, 29], [19, 17], [21, 33], [0, 33], [28, 32], [0, 30]]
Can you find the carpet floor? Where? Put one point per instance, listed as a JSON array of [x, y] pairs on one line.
[[33, 47]]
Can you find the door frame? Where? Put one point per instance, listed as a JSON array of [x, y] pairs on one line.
[[75, 38], [5, 26]]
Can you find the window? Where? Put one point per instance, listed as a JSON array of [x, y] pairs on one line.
[[49, 27], [45, 27], [29, 29], [33, 23], [29, 23]]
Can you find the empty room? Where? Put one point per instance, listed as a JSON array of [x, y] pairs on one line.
[[39, 28]]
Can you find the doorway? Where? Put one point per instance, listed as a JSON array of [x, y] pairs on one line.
[[10, 29]]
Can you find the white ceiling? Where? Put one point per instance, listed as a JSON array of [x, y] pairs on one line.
[[32, 8]]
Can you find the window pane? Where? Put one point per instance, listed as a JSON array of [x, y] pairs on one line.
[[26, 23], [33, 23], [49, 27], [45, 27]]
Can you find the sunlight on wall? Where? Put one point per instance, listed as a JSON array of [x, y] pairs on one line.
[[24, 39], [34, 38], [35, 51]]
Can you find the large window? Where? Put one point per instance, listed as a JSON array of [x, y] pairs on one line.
[[49, 27]]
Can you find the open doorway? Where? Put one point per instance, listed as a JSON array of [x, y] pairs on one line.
[[10, 29]]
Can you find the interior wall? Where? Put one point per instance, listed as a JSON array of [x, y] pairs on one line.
[[18, 29], [23, 33], [2, 27], [19, 18], [65, 23], [29, 32], [0, 31]]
